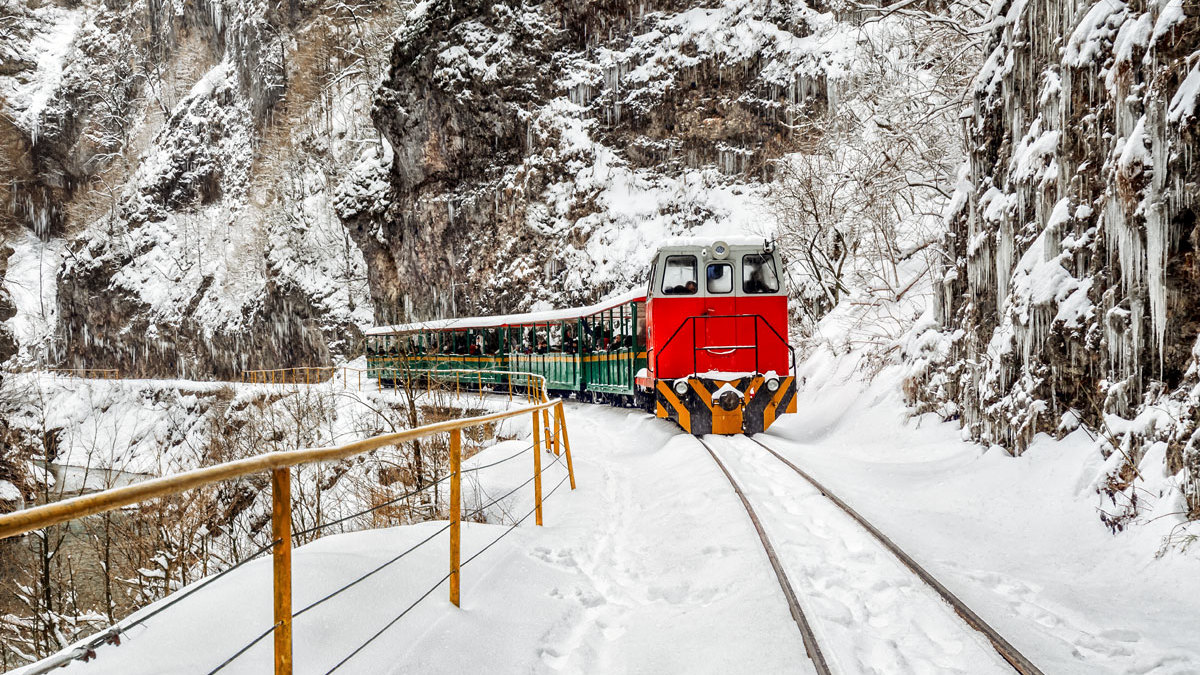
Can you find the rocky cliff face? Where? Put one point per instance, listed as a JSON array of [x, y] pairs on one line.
[[201, 187], [168, 182], [1074, 292], [538, 151]]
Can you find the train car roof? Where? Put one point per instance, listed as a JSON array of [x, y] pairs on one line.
[[464, 323], [693, 241]]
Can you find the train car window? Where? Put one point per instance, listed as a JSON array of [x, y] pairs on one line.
[[720, 278], [759, 274], [679, 276], [653, 273], [641, 323], [569, 344]]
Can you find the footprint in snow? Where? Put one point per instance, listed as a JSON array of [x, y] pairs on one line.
[[1121, 635], [1102, 646]]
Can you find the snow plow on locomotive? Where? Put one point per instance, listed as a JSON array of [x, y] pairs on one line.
[[704, 346]]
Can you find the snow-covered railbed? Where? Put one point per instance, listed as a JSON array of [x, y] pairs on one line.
[[869, 613]]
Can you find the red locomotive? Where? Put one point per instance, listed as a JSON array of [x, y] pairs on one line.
[[717, 351]]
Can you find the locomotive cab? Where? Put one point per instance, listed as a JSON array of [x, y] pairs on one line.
[[718, 354]]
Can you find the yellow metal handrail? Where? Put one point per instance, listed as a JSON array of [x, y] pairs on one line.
[[309, 375], [301, 375], [279, 464]]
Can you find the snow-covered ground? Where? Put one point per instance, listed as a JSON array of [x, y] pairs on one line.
[[1018, 539], [652, 566]]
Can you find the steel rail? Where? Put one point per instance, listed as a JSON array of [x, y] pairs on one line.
[[806, 632], [1002, 646], [38, 517]]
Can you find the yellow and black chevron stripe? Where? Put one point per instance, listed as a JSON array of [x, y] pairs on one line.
[[696, 412]]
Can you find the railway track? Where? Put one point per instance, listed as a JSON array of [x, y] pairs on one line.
[[1003, 648]]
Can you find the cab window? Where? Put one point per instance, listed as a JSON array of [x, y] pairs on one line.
[[759, 274], [720, 278], [679, 275]]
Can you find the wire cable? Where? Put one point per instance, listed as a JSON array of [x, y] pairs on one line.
[[112, 633], [368, 574], [203, 584], [407, 495], [243, 650], [514, 525], [441, 581], [415, 547]]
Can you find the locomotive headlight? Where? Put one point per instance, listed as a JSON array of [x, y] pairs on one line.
[[773, 384], [681, 387]]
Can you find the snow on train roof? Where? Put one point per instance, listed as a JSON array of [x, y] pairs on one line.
[[509, 319], [700, 242]]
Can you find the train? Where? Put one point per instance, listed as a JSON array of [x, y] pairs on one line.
[[704, 344]]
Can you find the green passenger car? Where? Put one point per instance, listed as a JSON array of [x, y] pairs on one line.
[[593, 352]]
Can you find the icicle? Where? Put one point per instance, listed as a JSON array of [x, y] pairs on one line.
[[1004, 261], [1156, 260]]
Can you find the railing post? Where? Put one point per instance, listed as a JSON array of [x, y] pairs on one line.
[[537, 469], [281, 530], [549, 436], [455, 510], [561, 416]]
